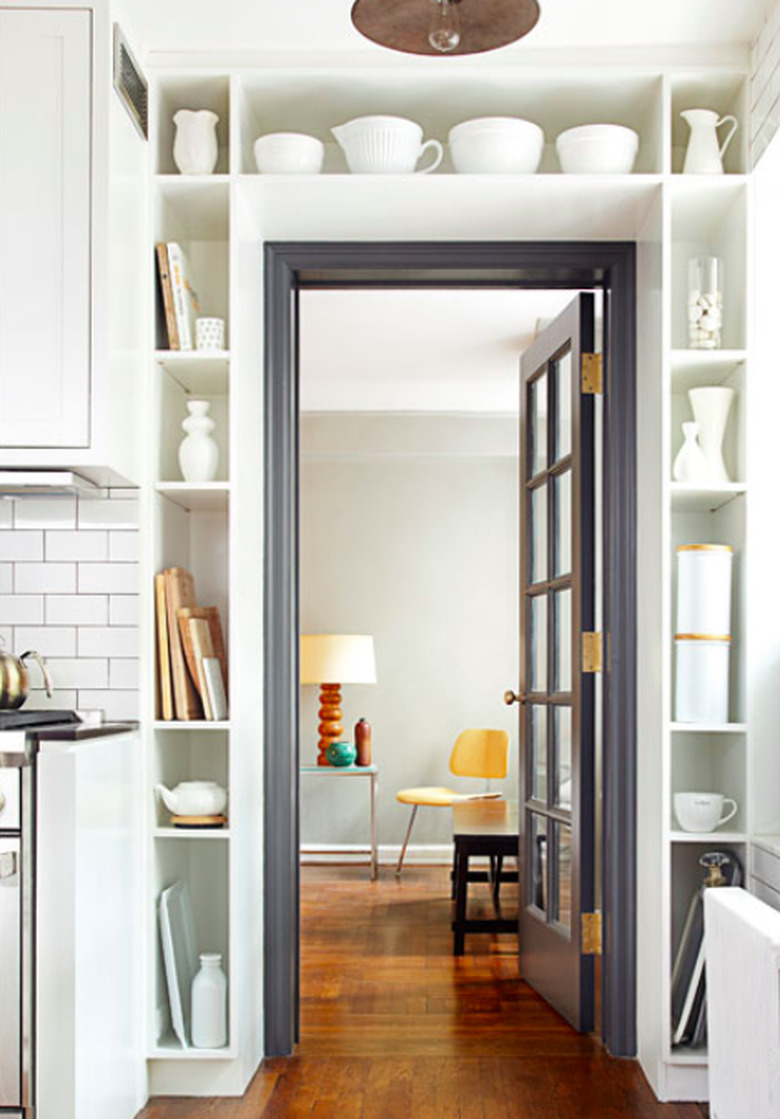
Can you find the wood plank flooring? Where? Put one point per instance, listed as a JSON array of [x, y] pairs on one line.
[[394, 1027]]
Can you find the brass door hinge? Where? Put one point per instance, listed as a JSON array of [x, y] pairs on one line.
[[592, 652], [591, 934], [592, 374]]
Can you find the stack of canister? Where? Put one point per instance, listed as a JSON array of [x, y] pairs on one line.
[[703, 639]]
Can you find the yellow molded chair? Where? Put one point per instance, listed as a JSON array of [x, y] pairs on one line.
[[476, 753]]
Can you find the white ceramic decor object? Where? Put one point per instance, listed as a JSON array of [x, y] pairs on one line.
[[209, 333], [702, 679], [704, 579], [711, 406], [496, 146], [704, 154], [198, 452], [690, 464], [383, 145], [289, 153], [195, 148], [598, 149], [703, 812], [209, 1004], [180, 955], [194, 798]]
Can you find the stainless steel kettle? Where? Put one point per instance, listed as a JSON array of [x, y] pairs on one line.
[[14, 681]]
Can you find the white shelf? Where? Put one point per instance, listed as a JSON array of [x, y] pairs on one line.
[[685, 1056], [203, 373], [209, 497], [708, 728], [191, 833], [690, 498], [169, 1048], [191, 725], [708, 837]]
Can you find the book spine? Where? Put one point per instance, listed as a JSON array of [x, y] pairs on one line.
[[167, 296], [180, 296]]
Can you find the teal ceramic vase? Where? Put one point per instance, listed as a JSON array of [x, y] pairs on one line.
[[341, 753]]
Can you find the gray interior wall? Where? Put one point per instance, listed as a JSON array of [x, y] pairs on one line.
[[409, 532]]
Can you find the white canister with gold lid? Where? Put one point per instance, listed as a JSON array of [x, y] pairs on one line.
[[702, 677], [704, 578]]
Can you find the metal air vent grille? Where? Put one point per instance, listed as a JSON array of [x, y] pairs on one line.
[[130, 83]]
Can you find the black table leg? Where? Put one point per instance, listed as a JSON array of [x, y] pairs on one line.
[[461, 897]]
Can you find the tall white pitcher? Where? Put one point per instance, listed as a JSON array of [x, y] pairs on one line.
[[705, 152]]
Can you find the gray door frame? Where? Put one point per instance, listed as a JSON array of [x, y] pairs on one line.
[[289, 267]]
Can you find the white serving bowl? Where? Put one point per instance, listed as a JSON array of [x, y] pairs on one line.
[[598, 149], [496, 146], [289, 153]]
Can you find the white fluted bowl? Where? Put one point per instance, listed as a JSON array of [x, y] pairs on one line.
[[496, 146], [289, 153], [598, 149]]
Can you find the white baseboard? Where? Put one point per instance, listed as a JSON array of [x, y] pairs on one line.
[[432, 854]]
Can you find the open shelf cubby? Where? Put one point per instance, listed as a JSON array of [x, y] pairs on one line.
[[173, 400], [188, 756], [723, 92], [711, 763], [185, 91]]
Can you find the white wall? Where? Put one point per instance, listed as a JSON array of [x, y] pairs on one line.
[[417, 544]]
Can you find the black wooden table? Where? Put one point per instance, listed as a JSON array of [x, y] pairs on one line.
[[487, 828]]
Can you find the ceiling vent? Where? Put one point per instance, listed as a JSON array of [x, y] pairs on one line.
[[130, 83]]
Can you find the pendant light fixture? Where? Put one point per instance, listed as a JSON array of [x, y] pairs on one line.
[[441, 27]]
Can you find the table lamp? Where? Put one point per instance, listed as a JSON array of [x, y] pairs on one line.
[[330, 660]]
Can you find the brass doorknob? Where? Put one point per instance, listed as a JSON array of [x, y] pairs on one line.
[[511, 697]]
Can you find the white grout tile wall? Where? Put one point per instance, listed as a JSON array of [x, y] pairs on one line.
[[69, 589]]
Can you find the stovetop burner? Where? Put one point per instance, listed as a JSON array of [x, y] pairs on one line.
[[13, 720]]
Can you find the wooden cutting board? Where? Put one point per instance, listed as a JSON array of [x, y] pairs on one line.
[[163, 650], [209, 614], [180, 592]]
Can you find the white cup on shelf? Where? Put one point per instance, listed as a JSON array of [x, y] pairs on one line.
[[703, 812], [210, 333]]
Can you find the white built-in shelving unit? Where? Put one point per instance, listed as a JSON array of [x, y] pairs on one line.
[[222, 221]]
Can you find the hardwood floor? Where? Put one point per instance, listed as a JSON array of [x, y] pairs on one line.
[[392, 1025]]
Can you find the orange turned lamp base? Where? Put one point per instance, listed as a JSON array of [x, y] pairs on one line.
[[330, 728]]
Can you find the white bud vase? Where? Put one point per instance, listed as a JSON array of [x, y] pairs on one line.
[[195, 149], [198, 453], [690, 464], [209, 1004], [711, 406]]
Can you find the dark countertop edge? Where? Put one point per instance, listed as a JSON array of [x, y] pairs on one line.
[[77, 732]]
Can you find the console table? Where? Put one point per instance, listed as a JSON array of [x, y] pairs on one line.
[[343, 772]]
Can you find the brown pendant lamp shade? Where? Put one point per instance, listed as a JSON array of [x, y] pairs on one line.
[[405, 25]]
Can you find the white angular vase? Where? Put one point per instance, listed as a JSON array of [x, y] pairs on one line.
[[195, 149], [711, 406], [690, 464], [198, 452]]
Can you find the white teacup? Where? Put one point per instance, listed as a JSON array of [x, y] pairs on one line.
[[702, 812]]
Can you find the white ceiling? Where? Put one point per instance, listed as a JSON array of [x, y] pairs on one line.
[[311, 25], [417, 350]]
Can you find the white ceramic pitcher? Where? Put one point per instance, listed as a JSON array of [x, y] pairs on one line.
[[704, 155], [382, 145]]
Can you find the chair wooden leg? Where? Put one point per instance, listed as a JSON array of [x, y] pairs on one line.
[[454, 871], [497, 883], [406, 842]]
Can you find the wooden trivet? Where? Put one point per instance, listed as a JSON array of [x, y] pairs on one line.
[[198, 821]]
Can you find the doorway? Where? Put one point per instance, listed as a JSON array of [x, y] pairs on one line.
[[606, 268]]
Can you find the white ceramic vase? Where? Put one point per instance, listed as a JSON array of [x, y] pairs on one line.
[[195, 148], [198, 453], [711, 406], [690, 464], [209, 1004]]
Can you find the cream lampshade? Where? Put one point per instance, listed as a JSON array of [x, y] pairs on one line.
[[330, 660]]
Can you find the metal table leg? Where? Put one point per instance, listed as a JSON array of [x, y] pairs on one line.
[[374, 841]]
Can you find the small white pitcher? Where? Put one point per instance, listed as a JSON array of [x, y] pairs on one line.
[[195, 148], [704, 155]]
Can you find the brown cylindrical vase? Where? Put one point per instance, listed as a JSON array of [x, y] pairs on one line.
[[363, 742]]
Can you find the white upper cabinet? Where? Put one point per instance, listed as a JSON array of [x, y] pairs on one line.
[[45, 228]]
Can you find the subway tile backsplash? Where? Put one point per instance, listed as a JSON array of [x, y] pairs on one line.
[[69, 588]]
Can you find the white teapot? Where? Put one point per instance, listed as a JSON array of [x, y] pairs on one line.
[[194, 798]]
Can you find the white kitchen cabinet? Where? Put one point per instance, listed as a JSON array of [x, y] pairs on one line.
[[45, 235], [74, 275]]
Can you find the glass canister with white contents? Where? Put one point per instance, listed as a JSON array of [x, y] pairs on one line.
[[705, 302]]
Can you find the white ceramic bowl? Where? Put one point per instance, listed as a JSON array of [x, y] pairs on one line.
[[598, 149], [496, 146], [289, 153]]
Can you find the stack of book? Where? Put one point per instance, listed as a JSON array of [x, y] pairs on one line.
[[178, 298], [191, 658]]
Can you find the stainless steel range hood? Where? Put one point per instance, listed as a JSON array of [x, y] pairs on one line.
[[46, 483]]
